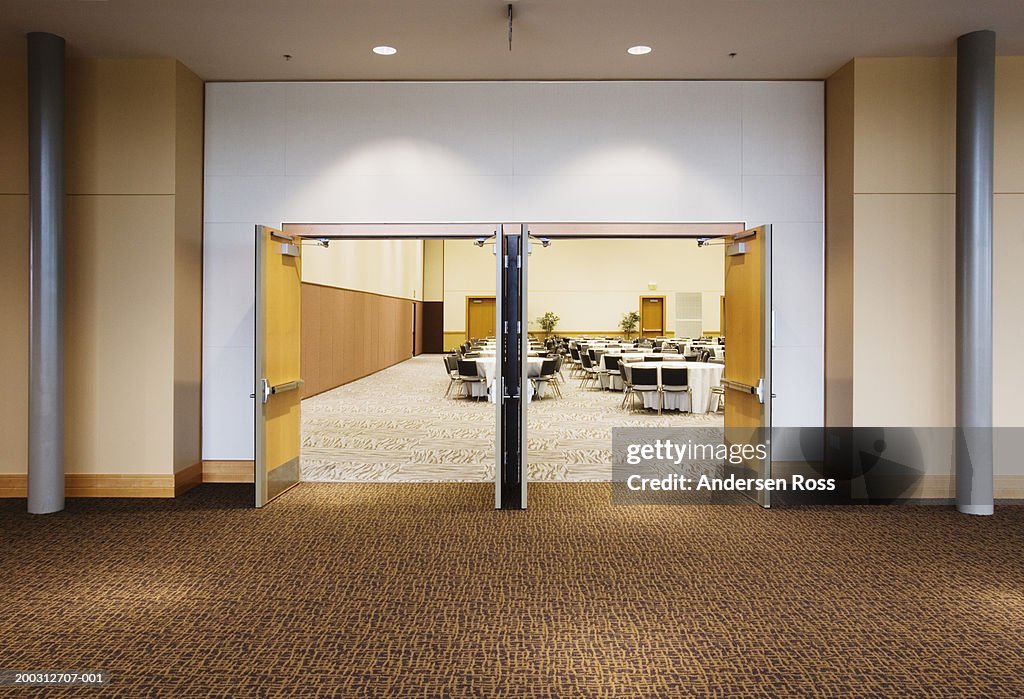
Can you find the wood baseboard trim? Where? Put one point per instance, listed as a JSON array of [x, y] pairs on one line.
[[117, 485], [229, 471], [13, 485], [188, 478]]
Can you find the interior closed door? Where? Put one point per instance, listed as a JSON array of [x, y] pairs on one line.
[[278, 378], [652, 316], [480, 317], [747, 378]]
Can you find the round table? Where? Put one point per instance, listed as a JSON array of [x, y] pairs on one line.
[[614, 381], [486, 367], [702, 377]]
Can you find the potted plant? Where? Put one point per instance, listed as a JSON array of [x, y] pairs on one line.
[[629, 323], [547, 323]]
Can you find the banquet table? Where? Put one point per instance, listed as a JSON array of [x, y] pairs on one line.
[[717, 350], [614, 381], [702, 377], [486, 367], [489, 353]]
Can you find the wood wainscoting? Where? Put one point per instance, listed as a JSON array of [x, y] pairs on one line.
[[348, 334]]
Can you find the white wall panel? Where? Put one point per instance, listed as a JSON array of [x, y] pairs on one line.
[[783, 132], [246, 129], [626, 128], [783, 198], [615, 151]]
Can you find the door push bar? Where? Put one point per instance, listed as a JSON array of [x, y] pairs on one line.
[[267, 390], [757, 390]]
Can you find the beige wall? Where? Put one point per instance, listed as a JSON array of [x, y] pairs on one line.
[[188, 268], [890, 245], [839, 145], [387, 267], [14, 266], [133, 266], [589, 284], [433, 270]]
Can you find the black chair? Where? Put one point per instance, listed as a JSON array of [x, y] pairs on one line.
[[468, 374], [574, 359], [674, 381], [653, 359], [559, 360], [451, 365], [644, 380], [589, 372], [546, 378], [611, 367]]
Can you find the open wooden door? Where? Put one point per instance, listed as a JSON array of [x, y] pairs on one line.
[[748, 358], [277, 395]]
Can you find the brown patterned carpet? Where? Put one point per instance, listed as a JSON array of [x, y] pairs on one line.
[[422, 590]]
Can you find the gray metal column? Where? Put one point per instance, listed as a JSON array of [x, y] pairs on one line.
[[975, 100], [46, 273]]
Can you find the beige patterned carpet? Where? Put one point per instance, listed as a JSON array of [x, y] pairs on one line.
[[397, 426]]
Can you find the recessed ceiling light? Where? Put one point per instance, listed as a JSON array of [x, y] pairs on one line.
[[385, 50], [639, 50]]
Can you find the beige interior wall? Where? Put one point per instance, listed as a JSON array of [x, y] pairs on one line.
[[134, 267], [14, 335], [188, 268], [839, 143], [1008, 224], [590, 284], [120, 126], [905, 121], [14, 266], [902, 266], [903, 335], [433, 270], [387, 267], [119, 350], [468, 271]]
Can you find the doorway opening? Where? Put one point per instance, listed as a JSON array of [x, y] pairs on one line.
[[553, 379]]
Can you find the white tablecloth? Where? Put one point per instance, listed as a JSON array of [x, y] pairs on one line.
[[696, 347], [614, 381], [701, 376], [489, 353], [487, 368]]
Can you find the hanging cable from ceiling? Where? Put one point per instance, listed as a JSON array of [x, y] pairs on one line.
[[510, 26]]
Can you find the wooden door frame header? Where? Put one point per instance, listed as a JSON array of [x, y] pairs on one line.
[[478, 230]]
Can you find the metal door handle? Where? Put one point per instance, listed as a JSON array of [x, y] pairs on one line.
[[739, 386], [267, 390], [287, 386]]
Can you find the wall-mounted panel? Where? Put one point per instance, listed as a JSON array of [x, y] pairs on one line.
[[120, 334], [349, 334], [14, 126], [905, 125], [14, 291], [117, 111]]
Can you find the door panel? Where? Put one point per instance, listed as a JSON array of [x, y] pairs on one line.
[[278, 355], [652, 316], [747, 378], [480, 317]]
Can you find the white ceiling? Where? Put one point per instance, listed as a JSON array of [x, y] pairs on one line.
[[552, 39]]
